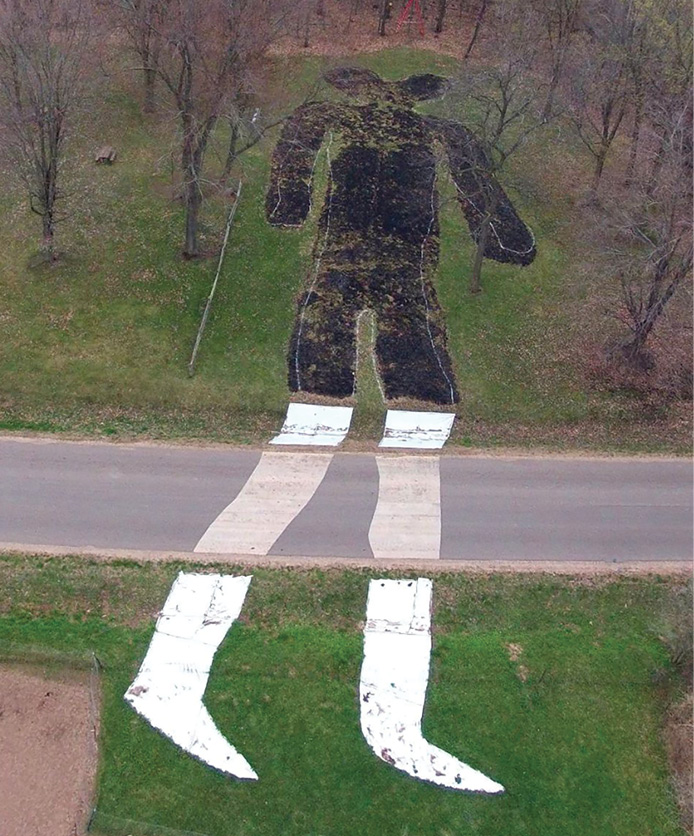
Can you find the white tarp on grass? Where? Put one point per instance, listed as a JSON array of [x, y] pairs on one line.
[[313, 424], [393, 683], [170, 684], [417, 430]]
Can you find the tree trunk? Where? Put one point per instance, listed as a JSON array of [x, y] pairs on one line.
[[476, 30], [191, 160], [633, 151], [150, 76], [554, 82], [657, 164], [599, 166], [48, 242], [231, 148], [632, 349], [49, 191], [482, 238], [383, 16], [441, 14], [192, 198], [307, 28]]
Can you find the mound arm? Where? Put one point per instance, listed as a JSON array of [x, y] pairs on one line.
[[288, 197], [479, 194]]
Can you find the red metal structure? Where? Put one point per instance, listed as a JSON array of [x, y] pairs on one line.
[[409, 6]]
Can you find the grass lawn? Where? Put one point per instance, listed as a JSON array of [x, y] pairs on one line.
[[99, 343], [556, 687]]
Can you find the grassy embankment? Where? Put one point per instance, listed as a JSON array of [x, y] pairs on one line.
[[557, 687], [98, 344]]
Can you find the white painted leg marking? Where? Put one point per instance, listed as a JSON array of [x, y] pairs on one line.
[[417, 430], [319, 426], [392, 688], [169, 687], [276, 491], [407, 519]]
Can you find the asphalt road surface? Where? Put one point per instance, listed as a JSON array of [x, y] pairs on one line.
[[229, 501]]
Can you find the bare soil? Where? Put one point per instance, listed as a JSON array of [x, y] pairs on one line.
[[679, 739], [47, 753]]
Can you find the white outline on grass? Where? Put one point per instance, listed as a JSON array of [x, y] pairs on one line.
[[493, 228], [310, 188], [424, 293], [372, 351], [317, 265]]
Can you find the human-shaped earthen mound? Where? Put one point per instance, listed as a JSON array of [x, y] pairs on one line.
[[378, 241]]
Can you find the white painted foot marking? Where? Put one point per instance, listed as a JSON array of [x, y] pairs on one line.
[[417, 430], [407, 519], [170, 684], [321, 426], [392, 688], [276, 491]]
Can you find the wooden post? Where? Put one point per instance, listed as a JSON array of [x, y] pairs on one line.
[[206, 312]]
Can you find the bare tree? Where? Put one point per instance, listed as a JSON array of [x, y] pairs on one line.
[[241, 120], [43, 72], [142, 21], [669, 80], [656, 226], [208, 51], [503, 107], [559, 20], [598, 83], [639, 58], [247, 126]]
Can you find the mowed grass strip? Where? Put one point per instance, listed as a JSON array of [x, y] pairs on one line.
[[555, 687]]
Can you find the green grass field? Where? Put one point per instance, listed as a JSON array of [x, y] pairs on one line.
[[569, 719], [99, 343]]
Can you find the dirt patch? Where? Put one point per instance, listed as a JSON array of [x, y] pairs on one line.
[[47, 752], [679, 739], [514, 654]]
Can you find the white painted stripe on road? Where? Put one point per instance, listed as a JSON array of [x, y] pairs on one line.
[[407, 519], [170, 684], [393, 684], [276, 491]]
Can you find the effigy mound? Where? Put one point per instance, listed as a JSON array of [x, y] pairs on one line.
[[378, 240]]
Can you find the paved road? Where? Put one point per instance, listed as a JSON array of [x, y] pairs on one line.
[[158, 498]]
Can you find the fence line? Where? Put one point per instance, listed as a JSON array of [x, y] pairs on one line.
[[208, 306]]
